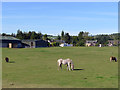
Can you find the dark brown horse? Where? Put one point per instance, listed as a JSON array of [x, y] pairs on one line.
[[7, 59], [113, 59]]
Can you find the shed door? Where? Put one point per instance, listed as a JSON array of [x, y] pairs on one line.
[[31, 44], [10, 45]]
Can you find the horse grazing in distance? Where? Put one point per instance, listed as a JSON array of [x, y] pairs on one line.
[[113, 59], [7, 59], [68, 62]]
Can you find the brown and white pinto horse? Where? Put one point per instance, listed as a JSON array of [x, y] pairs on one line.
[[113, 59], [68, 62]]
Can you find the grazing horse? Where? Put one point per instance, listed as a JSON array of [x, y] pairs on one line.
[[67, 62], [7, 59], [113, 59]]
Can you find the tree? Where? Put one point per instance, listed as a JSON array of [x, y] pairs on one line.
[[39, 35], [3, 34], [85, 34], [45, 37], [55, 43], [62, 35], [74, 40], [102, 39], [13, 35], [58, 37], [80, 43], [80, 35], [67, 38], [19, 34], [28, 35], [33, 35]]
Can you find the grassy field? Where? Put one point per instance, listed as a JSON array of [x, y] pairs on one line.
[[37, 68]]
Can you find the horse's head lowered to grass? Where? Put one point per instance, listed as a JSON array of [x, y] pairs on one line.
[[68, 62]]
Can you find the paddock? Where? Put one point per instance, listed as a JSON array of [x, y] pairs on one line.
[[36, 68]]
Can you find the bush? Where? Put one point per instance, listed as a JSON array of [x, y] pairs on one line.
[[81, 43], [55, 44]]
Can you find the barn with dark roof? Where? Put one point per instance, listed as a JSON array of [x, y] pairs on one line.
[[36, 43], [10, 42]]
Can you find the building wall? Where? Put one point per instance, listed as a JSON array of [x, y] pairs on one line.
[[4, 45], [14, 43], [31, 44], [41, 43], [113, 42], [90, 44], [36, 43]]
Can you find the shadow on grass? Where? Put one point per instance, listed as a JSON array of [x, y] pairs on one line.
[[11, 61], [78, 69]]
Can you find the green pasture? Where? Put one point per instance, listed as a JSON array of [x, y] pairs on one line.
[[37, 68]]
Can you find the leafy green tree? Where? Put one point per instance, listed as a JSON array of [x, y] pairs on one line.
[[33, 35], [102, 39], [74, 40], [80, 35], [13, 35], [19, 34], [3, 34], [45, 37], [62, 35], [67, 38], [39, 35], [85, 34], [80, 43], [55, 43], [58, 37]]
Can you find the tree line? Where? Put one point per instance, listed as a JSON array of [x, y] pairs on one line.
[[78, 40]]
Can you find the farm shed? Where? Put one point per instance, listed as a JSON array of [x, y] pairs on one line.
[[35, 43], [113, 42], [91, 42], [10, 42]]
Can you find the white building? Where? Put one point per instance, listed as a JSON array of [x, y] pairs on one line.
[[66, 45]]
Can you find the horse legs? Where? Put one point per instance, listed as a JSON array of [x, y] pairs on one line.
[[68, 67], [110, 59], [115, 60], [59, 66]]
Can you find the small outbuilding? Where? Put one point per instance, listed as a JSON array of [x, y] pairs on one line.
[[91, 43], [10, 42], [113, 42], [35, 43]]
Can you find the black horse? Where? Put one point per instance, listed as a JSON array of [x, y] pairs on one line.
[[7, 59], [113, 59]]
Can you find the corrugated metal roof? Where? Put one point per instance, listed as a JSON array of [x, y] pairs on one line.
[[8, 38]]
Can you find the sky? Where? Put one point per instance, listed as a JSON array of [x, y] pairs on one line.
[[53, 17]]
